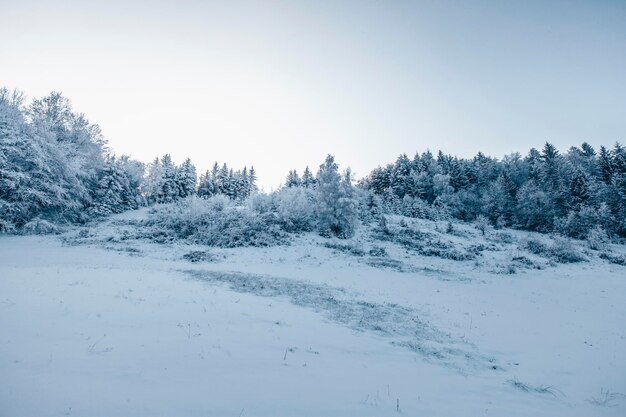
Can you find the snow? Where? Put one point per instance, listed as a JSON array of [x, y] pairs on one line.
[[107, 327]]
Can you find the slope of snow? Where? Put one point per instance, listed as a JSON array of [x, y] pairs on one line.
[[121, 328]]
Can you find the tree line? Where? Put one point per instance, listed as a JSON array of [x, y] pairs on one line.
[[55, 166], [544, 191]]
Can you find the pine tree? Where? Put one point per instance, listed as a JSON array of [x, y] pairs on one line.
[[221, 180], [458, 175], [293, 179], [244, 191], [214, 175], [336, 208], [308, 180], [401, 176], [253, 189], [168, 190], [578, 190], [204, 185], [605, 161], [112, 194], [619, 159], [153, 180], [134, 172], [347, 207], [186, 179], [588, 150]]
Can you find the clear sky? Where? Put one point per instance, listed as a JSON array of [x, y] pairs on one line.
[[281, 84]]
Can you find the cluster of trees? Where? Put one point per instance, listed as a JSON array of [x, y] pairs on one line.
[[572, 193], [54, 164], [236, 185], [294, 180], [165, 182], [336, 201]]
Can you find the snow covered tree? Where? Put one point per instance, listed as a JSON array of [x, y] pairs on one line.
[[204, 185], [50, 158], [534, 209], [293, 179], [308, 180], [112, 193], [162, 183], [252, 178], [336, 206], [153, 180], [186, 179]]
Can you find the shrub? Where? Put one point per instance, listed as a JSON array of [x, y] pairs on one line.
[[216, 221], [424, 244], [561, 250], [295, 207], [535, 246], [503, 237], [39, 226], [597, 238], [613, 258], [199, 256], [6, 226], [524, 262], [378, 251], [345, 248]]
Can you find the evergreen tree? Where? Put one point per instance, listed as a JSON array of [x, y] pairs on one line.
[[153, 180], [336, 208], [293, 180], [113, 193], [605, 161], [222, 180], [578, 190], [347, 207], [186, 179], [205, 188], [253, 189], [244, 191], [168, 187], [308, 180]]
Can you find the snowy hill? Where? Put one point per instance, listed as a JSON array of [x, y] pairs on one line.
[[412, 318]]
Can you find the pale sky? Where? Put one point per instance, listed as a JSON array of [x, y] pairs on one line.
[[281, 84]]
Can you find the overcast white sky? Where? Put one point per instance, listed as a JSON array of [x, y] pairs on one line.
[[281, 84]]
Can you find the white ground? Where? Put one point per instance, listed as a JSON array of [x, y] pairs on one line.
[[301, 330]]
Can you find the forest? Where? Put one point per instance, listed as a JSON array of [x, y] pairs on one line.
[[56, 170]]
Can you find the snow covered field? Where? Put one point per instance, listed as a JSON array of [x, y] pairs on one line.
[[132, 328]]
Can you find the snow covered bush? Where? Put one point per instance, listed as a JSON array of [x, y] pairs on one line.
[[563, 251], [199, 256], [216, 221], [560, 250], [502, 237], [261, 203], [295, 207], [423, 243], [597, 238], [352, 249], [6, 226], [613, 258], [39, 226], [378, 251], [577, 224]]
